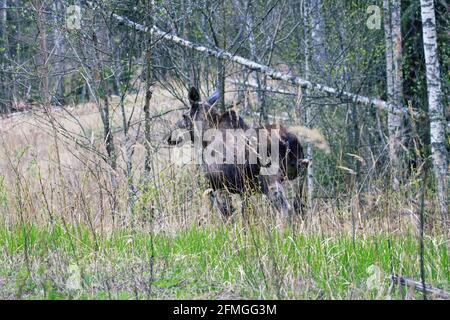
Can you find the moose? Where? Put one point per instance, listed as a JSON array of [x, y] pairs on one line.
[[245, 176]]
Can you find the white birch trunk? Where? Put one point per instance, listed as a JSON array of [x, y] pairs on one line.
[[309, 150], [435, 105], [317, 35], [253, 52], [388, 46], [3, 41], [397, 53]]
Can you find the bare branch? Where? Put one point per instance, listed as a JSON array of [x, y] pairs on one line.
[[270, 72]]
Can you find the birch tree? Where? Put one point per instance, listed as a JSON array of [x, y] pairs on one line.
[[309, 151], [435, 105], [148, 95], [3, 56], [260, 95], [317, 36]]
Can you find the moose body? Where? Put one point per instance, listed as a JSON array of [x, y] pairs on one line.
[[246, 175]]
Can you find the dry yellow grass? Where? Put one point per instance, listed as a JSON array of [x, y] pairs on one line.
[[54, 161]]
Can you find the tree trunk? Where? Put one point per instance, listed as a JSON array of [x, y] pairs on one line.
[[317, 35], [122, 84], [260, 93], [59, 54], [43, 72], [189, 66], [148, 96], [435, 105], [103, 106], [4, 91], [221, 84], [309, 151], [393, 43], [14, 51]]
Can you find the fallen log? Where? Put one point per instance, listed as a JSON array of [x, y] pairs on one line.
[[270, 72], [266, 88], [418, 286]]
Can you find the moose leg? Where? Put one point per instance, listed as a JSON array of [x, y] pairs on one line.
[[221, 202], [275, 192], [278, 198], [244, 205], [299, 204]]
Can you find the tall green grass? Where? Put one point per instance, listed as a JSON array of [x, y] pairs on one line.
[[222, 261]]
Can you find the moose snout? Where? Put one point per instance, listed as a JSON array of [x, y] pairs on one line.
[[177, 135], [304, 162], [172, 141]]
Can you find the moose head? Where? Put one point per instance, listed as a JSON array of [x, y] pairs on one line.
[[203, 112]]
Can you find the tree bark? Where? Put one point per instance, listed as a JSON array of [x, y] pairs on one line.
[[44, 72], [388, 46], [4, 107], [148, 97], [317, 35], [103, 106], [260, 93], [58, 40], [420, 286], [435, 104], [309, 151], [393, 43]]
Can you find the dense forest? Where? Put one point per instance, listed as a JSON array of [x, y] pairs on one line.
[[90, 90]]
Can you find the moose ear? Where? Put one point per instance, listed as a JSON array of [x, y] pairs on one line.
[[213, 98], [194, 95]]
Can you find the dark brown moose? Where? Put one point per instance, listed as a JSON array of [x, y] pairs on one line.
[[244, 176]]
